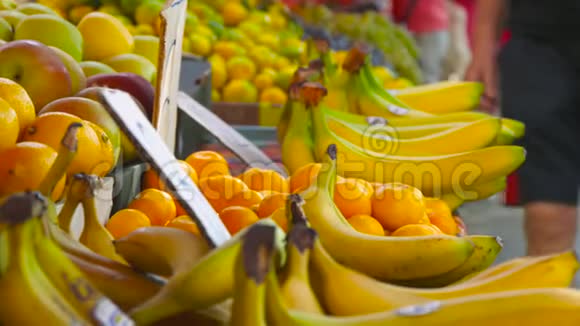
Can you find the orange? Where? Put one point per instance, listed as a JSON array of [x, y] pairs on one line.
[[208, 163], [126, 221], [440, 215], [352, 197], [302, 178], [156, 204], [366, 224], [49, 129], [395, 205], [106, 151], [266, 193], [259, 179], [151, 178], [24, 166], [234, 13], [273, 95], [19, 101], [281, 219], [416, 230], [271, 203], [246, 198], [185, 223], [218, 190], [235, 218], [10, 128]]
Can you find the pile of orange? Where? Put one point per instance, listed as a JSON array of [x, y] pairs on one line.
[[378, 209], [29, 144]]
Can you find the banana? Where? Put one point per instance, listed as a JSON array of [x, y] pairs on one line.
[[472, 136], [94, 234], [386, 258], [208, 282], [512, 130], [252, 264], [494, 270], [486, 250], [442, 97], [295, 285], [74, 285], [446, 172], [297, 147], [164, 247], [28, 296], [477, 192]]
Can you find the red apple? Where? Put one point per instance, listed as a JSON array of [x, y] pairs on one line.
[[37, 68], [131, 83]]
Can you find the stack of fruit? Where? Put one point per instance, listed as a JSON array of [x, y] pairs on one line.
[[253, 52], [82, 47]]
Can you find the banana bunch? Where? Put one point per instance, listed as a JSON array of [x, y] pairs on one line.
[[510, 294], [39, 284]]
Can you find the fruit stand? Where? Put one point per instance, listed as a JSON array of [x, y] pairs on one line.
[[129, 198]]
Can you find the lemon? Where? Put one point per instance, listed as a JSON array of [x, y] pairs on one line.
[[234, 13], [273, 95], [279, 22], [205, 31], [262, 56], [250, 28], [263, 80], [284, 77], [186, 45], [240, 67], [215, 95], [227, 49], [200, 45], [292, 48], [219, 74], [281, 63], [270, 40], [239, 90]]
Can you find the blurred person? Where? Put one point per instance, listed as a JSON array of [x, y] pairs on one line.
[[428, 21], [539, 71], [458, 55]]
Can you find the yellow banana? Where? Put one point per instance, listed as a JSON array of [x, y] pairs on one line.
[[512, 130], [75, 286], [297, 147], [164, 247], [208, 282], [27, 294], [386, 258], [471, 136], [252, 264], [445, 173], [442, 97], [295, 285], [94, 235], [477, 192], [486, 250]]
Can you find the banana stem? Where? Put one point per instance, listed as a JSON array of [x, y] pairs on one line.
[[355, 59], [66, 154], [20, 207], [312, 93], [66, 213]]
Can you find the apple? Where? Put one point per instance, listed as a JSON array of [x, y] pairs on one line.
[[147, 46], [89, 110], [104, 36], [134, 63], [77, 75], [37, 68], [51, 30], [91, 68], [133, 84], [5, 30], [13, 17], [35, 8]]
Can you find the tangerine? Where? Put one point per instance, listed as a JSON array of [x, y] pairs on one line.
[[208, 163], [395, 205], [302, 178], [366, 224], [271, 203], [151, 178], [156, 204], [10, 127], [440, 215], [260, 179], [126, 221], [280, 218], [352, 197], [185, 223], [236, 218], [410, 230]]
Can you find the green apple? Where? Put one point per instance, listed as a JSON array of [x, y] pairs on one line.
[[51, 30], [32, 8], [89, 110], [37, 68], [77, 76], [8, 4], [134, 63], [91, 68], [5, 30], [13, 17], [148, 11], [147, 46]]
